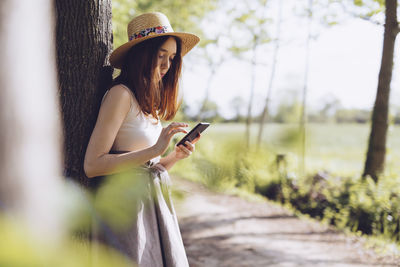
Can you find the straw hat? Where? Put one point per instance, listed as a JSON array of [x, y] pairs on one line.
[[147, 26]]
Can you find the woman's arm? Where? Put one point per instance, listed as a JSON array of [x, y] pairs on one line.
[[112, 113], [169, 160]]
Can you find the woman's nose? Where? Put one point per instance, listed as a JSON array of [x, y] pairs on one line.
[[165, 63]]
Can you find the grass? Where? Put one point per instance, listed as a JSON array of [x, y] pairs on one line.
[[337, 195], [336, 148]]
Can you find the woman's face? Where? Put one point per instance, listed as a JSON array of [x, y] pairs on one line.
[[166, 55]]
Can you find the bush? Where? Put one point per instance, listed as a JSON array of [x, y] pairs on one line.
[[347, 202]]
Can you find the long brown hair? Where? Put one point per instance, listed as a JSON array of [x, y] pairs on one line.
[[156, 97]]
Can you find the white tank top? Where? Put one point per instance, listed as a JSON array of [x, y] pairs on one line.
[[137, 131]]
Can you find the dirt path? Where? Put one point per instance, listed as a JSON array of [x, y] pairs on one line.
[[222, 230]]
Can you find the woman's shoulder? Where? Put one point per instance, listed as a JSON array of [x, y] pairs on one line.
[[122, 92]]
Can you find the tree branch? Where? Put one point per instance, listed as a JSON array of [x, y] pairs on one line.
[[369, 19], [363, 17]]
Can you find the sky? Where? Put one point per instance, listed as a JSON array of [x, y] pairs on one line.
[[344, 64]]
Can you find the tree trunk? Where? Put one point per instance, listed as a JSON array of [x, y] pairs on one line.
[[374, 164], [203, 107], [252, 87], [303, 116], [84, 41], [30, 136], [265, 112]]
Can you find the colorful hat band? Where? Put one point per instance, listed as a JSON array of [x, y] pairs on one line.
[[150, 31]]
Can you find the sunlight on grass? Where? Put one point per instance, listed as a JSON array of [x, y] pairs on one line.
[[337, 148], [332, 189]]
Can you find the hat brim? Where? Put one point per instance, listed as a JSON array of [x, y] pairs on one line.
[[188, 42]]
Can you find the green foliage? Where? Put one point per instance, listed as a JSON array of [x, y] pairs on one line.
[[20, 247], [226, 165], [290, 137], [360, 205], [249, 22], [361, 3], [368, 9], [288, 112], [222, 162], [116, 201], [352, 115], [114, 205], [190, 13]]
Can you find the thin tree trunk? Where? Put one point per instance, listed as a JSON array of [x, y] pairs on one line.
[[374, 164], [207, 93], [253, 78], [250, 104], [264, 114], [84, 41], [30, 136], [303, 117]]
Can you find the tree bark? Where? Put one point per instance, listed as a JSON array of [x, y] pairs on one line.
[[84, 42], [374, 164], [30, 136]]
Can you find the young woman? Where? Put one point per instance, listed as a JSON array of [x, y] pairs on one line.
[[145, 92]]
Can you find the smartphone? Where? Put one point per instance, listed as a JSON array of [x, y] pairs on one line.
[[190, 136]]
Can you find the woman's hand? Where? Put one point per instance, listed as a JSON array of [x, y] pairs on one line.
[[166, 135], [184, 151], [180, 152]]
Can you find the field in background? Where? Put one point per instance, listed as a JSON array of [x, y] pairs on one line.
[[337, 148], [339, 196]]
